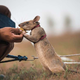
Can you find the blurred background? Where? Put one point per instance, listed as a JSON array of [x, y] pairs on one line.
[[59, 18]]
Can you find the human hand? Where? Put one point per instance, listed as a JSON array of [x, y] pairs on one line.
[[11, 34]]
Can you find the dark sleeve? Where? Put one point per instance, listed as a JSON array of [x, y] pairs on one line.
[[6, 22]]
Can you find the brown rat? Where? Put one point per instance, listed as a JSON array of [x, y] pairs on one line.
[[48, 57]]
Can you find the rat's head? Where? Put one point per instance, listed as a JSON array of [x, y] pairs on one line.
[[28, 25]]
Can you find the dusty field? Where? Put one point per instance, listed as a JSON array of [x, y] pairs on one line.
[[33, 70]]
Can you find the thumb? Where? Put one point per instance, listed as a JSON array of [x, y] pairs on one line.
[[16, 30], [17, 38]]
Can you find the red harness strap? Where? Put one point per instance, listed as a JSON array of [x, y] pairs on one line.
[[42, 36], [35, 27]]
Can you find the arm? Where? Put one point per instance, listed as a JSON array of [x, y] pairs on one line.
[[7, 38], [32, 38]]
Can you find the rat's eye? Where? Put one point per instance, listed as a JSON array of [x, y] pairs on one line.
[[27, 22]]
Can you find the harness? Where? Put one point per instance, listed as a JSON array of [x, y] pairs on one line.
[[42, 37]]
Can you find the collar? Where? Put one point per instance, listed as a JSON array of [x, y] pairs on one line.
[[35, 27]]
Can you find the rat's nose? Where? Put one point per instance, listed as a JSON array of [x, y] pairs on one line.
[[21, 25]]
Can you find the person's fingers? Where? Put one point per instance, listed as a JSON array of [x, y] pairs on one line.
[[17, 38], [16, 31], [17, 35]]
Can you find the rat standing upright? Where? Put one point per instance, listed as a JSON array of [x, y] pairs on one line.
[[47, 56]]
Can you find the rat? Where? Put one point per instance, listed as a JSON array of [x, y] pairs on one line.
[[46, 53]]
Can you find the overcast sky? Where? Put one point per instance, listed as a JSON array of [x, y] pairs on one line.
[[23, 10]]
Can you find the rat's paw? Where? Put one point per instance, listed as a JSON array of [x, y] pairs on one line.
[[26, 35]]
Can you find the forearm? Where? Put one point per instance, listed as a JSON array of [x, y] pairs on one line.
[[31, 38]]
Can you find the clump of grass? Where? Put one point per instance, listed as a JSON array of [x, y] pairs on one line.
[[16, 73]]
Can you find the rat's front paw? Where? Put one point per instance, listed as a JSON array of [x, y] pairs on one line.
[[26, 36]]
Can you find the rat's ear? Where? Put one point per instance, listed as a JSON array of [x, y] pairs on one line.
[[36, 19]]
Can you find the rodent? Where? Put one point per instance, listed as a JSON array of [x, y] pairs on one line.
[[47, 55]]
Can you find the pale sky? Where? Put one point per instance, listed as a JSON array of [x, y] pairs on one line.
[[23, 10]]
